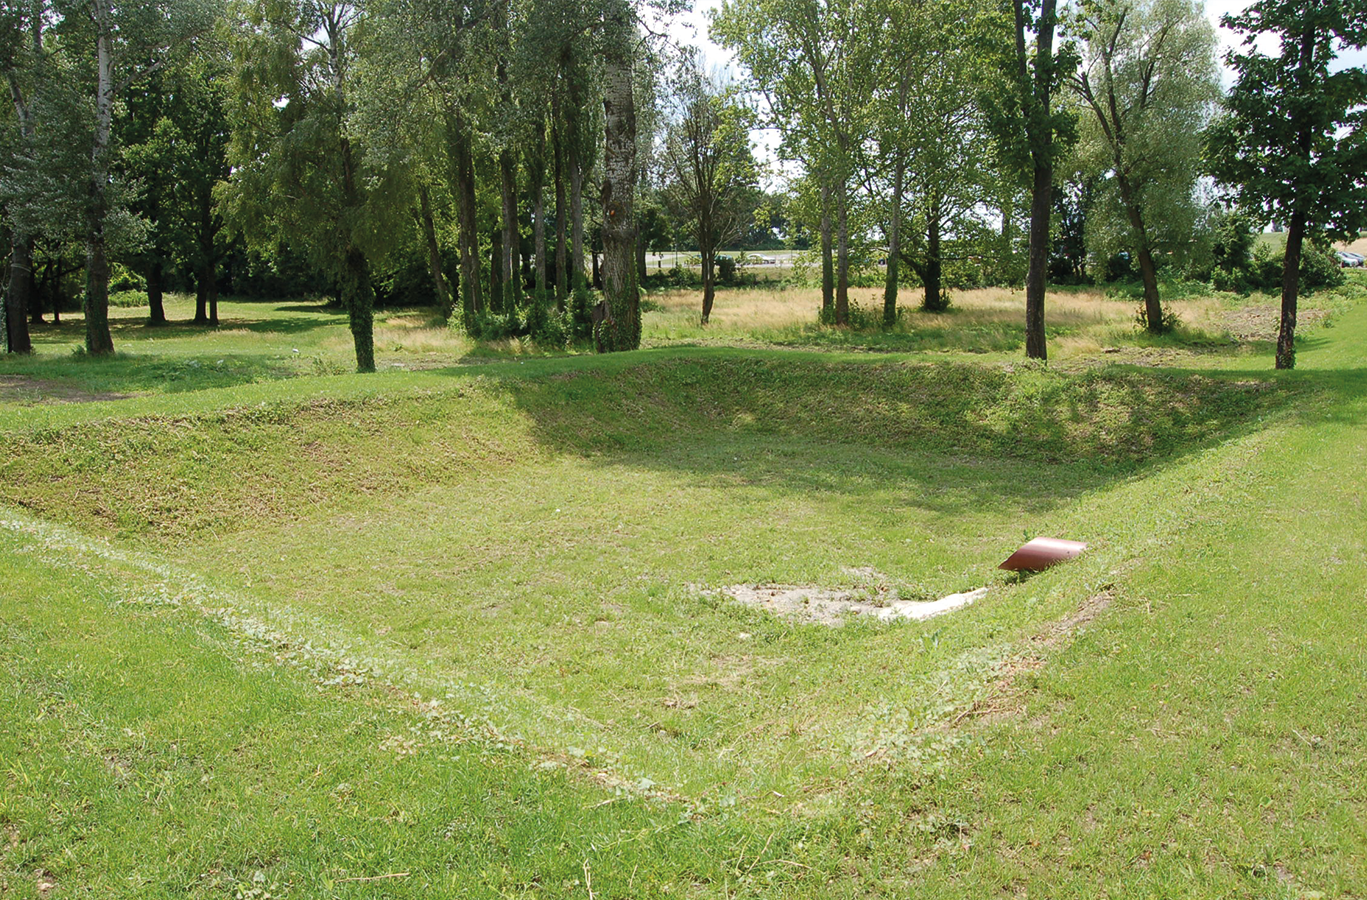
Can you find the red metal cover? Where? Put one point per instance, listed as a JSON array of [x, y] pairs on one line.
[[1041, 553]]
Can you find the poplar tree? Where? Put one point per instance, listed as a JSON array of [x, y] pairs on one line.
[[1035, 131], [1149, 83], [302, 172], [1292, 144]]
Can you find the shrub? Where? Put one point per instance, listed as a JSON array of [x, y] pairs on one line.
[[127, 299], [861, 319], [549, 328], [1263, 271], [492, 326]]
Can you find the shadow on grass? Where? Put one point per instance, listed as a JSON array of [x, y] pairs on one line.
[[957, 437], [75, 377]]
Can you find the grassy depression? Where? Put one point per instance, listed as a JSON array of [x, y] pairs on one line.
[[458, 632], [547, 549]]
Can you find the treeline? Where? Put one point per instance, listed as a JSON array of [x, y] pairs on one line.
[[512, 161]]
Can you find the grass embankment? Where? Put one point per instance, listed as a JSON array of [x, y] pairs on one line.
[[532, 549]]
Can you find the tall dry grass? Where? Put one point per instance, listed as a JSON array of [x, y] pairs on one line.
[[1083, 321]]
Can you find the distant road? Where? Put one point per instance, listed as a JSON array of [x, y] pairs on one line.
[[668, 259]]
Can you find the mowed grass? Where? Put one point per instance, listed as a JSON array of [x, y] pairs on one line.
[[517, 566], [255, 342]]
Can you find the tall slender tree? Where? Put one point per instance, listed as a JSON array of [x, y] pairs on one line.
[[1034, 132], [1292, 145], [1148, 80], [302, 173], [619, 326], [125, 43], [710, 167]]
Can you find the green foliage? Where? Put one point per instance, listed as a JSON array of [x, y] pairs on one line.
[[1262, 271], [860, 319], [1147, 86], [127, 299], [1292, 142], [726, 269], [551, 330]]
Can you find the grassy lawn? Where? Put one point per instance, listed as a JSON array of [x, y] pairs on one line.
[[463, 622]]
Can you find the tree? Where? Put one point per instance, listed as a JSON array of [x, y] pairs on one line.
[[1148, 79], [121, 44], [174, 135], [809, 60], [1034, 134], [302, 173], [710, 166], [21, 59], [619, 327], [1292, 145], [932, 150]]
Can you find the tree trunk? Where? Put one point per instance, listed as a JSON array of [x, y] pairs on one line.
[[1041, 154], [1148, 271], [507, 170], [18, 297], [709, 283], [842, 257], [472, 300], [597, 272], [58, 298], [539, 238], [1040, 201], [621, 330], [360, 304], [211, 288], [156, 308], [98, 340], [894, 246], [576, 221], [496, 281], [201, 298], [1291, 282], [827, 264], [429, 232], [934, 300], [38, 287], [562, 242]]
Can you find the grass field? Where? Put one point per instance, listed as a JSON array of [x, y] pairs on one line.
[[459, 628]]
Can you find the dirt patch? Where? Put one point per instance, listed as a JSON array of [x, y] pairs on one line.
[[824, 606], [26, 390], [1261, 323], [46, 882], [1007, 697]]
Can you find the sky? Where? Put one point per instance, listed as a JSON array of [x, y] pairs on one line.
[[690, 28]]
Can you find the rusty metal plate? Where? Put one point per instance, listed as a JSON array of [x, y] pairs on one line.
[[1041, 553]]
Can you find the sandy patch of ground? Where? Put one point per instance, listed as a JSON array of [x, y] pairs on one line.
[[1261, 323], [28, 390], [825, 606]]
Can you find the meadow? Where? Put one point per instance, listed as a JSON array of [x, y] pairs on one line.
[[462, 628]]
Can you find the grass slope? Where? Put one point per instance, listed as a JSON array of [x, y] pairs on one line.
[[532, 548]]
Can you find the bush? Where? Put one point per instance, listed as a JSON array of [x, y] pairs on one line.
[[861, 319], [123, 279], [492, 326], [127, 299], [548, 328], [726, 269], [1263, 271], [581, 311]]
